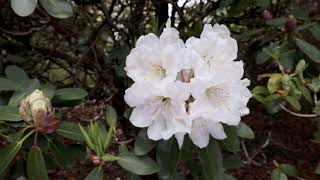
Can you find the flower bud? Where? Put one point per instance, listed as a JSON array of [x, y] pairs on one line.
[[36, 109], [291, 24], [267, 15]]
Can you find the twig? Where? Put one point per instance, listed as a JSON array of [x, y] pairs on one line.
[[297, 114]]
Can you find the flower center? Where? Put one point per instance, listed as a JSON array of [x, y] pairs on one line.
[[160, 71], [218, 96]]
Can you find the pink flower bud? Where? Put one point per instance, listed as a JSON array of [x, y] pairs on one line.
[[267, 15], [291, 24]]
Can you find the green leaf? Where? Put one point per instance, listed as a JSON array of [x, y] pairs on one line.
[[24, 7], [16, 74], [57, 8], [289, 169], [7, 85], [48, 90], [211, 161], [69, 96], [304, 90], [111, 115], [294, 102], [315, 31], [301, 66], [96, 174], [167, 155], [245, 131], [274, 82], [317, 171], [262, 57], [277, 21], [108, 157], [36, 167], [314, 85], [231, 143], [232, 162], [67, 154], [70, 130], [9, 113], [311, 51], [7, 155], [143, 144], [277, 174], [141, 165], [263, 3], [23, 90]]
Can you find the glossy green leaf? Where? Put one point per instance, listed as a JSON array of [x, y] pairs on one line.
[[300, 67], [304, 90], [23, 90], [232, 162], [262, 57], [315, 31], [277, 21], [95, 174], [314, 85], [310, 50], [48, 90], [8, 85], [68, 97], [111, 115], [67, 155], [16, 74], [70, 130], [24, 7], [277, 174], [289, 169], [211, 161], [167, 155], [141, 165], [36, 167], [231, 143], [57, 8], [9, 113], [108, 157], [245, 131], [294, 102], [143, 144], [274, 82], [7, 155]]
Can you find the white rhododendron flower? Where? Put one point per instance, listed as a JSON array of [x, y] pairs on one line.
[[160, 107], [190, 88]]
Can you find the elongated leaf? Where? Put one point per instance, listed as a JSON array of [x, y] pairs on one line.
[[36, 167], [289, 169], [310, 50], [24, 7], [16, 74], [315, 31], [141, 165], [24, 89], [95, 174], [277, 174], [70, 130], [211, 161], [7, 154], [167, 156], [274, 82], [48, 90], [69, 96], [245, 131], [9, 113], [294, 102], [111, 115], [231, 143], [277, 21], [7, 85], [108, 157], [143, 144], [232, 162], [57, 8]]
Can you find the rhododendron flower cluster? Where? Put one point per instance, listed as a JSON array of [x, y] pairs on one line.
[[186, 88]]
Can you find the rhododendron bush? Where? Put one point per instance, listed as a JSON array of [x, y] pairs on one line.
[[159, 89]]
